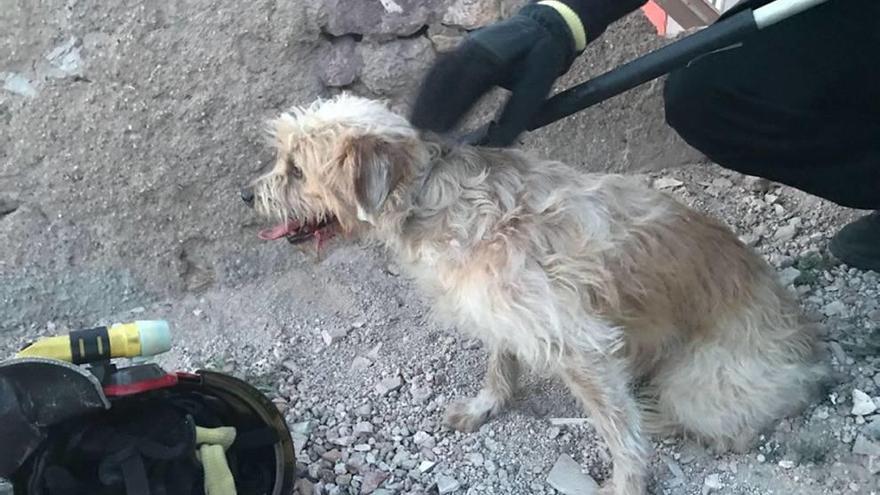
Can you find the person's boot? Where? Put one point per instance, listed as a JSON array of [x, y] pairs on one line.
[[858, 244]]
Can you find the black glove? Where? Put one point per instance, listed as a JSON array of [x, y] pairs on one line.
[[524, 54]]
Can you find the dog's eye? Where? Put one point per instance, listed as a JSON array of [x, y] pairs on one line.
[[293, 170]]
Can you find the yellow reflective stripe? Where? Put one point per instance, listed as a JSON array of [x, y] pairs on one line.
[[575, 25]]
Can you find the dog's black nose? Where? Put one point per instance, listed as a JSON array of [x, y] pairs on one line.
[[247, 195]]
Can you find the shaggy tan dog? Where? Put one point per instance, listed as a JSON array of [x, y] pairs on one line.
[[593, 278]]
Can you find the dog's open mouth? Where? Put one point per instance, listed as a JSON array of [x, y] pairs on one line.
[[296, 232]]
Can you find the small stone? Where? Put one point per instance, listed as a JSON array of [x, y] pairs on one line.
[[834, 308], [302, 485], [444, 38], [18, 84], [358, 324], [667, 183], [786, 464], [315, 470], [333, 335], [360, 363], [872, 429], [332, 456], [761, 459], [788, 276], [339, 63], [757, 184], [553, 432], [475, 459], [472, 14], [675, 469], [471, 344], [363, 447], [388, 385], [785, 233], [343, 479], [423, 439], [364, 410], [374, 352], [372, 481], [300, 433], [863, 446], [281, 404], [380, 20], [446, 484], [389, 68], [356, 461], [712, 484], [838, 352], [862, 403], [569, 421], [343, 441], [567, 478], [65, 60], [426, 466], [722, 183], [363, 428], [420, 394]]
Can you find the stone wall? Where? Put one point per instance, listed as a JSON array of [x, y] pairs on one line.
[[381, 48]]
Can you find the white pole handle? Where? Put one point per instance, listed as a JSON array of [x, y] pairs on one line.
[[778, 10]]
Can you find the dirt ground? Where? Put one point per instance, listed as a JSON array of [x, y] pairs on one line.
[[119, 171]]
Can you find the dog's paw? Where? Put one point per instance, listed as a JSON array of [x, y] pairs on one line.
[[467, 415], [609, 488], [635, 487]]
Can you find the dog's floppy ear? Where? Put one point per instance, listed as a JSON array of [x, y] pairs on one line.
[[376, 166]]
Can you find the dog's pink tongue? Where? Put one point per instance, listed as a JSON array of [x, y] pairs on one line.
[[278, 231]]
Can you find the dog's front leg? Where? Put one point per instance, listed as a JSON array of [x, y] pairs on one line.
[[498, 388], [599, 382]]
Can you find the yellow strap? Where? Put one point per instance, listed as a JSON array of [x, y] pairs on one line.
[[218, 476], [223, 436], [575, 25]]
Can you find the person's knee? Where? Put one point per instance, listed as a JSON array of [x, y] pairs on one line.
[[689, 104]]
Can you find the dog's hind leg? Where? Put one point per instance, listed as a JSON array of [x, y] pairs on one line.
[[498, 388], [600, 383]]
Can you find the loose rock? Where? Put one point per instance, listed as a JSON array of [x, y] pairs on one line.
[[471, 14], [863, 446], [712, 484], [339, 63], [862, 403], [20, 85], [667, 183], [834, 308], [360, 363], [788, 275], [567, 478], [372, 481], [390, 68], [446, 484], [388, 385], [785, 233]]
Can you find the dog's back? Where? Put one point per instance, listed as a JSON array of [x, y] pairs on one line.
[[722, 344]]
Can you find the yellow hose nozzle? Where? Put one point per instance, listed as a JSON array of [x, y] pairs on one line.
[[139, 338]]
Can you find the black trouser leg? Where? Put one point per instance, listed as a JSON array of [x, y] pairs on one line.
[[797, 103]]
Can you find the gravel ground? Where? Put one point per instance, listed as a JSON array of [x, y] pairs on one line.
[[345, 348]]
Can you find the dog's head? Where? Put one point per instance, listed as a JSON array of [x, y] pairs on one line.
[[341, 164]]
